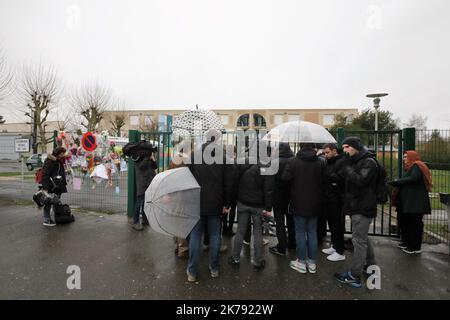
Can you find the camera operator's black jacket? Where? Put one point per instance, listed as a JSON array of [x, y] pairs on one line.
[[145, 172], [53, 168]]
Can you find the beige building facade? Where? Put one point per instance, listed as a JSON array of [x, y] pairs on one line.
[[232, 119]]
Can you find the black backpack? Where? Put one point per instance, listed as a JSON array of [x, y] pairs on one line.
[[382, 188], [63, 214]]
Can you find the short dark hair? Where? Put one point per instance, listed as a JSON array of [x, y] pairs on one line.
[[307, 145], [58, 150], [331, 146]]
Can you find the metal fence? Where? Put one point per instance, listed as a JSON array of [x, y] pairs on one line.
[[434, 149]]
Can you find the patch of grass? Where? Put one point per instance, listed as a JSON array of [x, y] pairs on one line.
[[22, 202], [9, 174], [441, 184]]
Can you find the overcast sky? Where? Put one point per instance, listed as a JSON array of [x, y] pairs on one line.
[[243, 53]]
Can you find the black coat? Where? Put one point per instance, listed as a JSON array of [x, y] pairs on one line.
[[413, 196], [145, 172], [306, 173], [52, 169], [281, 193], [216, 183], [334, 184], [255, 189], [360, 185]]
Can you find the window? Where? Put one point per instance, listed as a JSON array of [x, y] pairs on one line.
[[148, 120], [293, 117], [134, 120], [278, 119], [328, 119], [259, 120], [224, 119], [243, 120]]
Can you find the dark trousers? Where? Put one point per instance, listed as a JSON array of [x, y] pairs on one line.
[[228, 220], [283, 218], [412, 230], [321, 227], [336, 221], [139, 209]]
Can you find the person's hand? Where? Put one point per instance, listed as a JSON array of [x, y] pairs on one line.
[[267, 213], [226, 210]]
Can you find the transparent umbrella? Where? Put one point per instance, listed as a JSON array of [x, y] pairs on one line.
[[299, 131], [172, 202]]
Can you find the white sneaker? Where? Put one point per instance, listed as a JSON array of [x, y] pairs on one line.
[[298, 266], [330, 250], [336, 257], [312, 267]]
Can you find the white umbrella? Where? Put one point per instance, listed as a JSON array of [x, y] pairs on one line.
[[196, 121], [299, 131], [172, 202]]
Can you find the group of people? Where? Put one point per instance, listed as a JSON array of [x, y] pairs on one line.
[[309, 191]]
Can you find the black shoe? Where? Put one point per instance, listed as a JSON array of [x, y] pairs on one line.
[[145, 222], [49, 223], [401, 245], [233, 261], [277, 251], [260, 266]]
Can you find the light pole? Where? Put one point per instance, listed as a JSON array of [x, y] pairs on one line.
[[376, 104]]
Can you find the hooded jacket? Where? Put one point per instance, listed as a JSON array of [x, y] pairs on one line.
[[360, 175], [306, 173], [54, 170], [145, 172], [255, 189]]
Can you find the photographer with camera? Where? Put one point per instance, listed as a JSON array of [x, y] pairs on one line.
[[142, 153], [53, 180]]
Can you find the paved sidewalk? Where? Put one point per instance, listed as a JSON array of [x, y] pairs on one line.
[[119, 263]]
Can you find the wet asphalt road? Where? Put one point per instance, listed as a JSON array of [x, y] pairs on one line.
[[117, 262]]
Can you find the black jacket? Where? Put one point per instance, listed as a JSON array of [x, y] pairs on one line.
[[145, 172], [413, 196], [216, 183], [281, 193], [360, 175], [52, 169], [306, 172], [255, 189], [334, 184]]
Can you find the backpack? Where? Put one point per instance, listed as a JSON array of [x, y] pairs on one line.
[[63, 214], [382, 188]]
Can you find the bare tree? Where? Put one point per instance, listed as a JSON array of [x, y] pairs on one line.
[[6, 77], [38, 90], [91, 101], [117, 118], [417, 121]]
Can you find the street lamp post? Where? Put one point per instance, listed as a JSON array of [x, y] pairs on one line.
[[376, 104]]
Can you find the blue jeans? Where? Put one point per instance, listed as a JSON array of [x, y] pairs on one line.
[[195, 243], [306, 238]]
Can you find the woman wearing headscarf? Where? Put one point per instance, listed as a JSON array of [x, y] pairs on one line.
[[413, 201]]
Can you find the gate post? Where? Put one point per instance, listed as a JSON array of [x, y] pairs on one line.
[[55, 134], [340, 137], [409, 139], [133, 136]]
